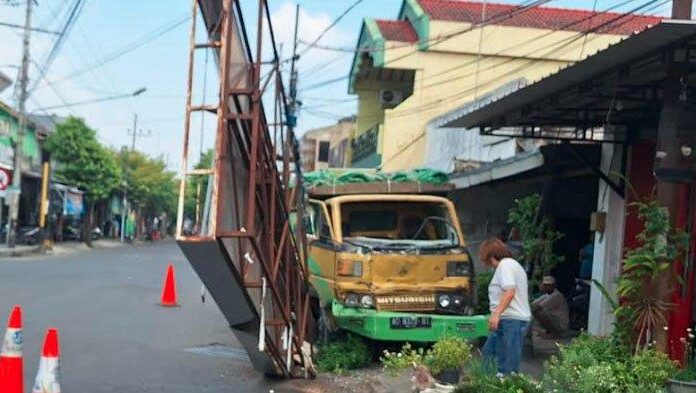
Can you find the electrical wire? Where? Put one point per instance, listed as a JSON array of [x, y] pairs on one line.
[[497, 18], [145, 39], [521, 68], [75, 12], [630, 15], [329, 27]]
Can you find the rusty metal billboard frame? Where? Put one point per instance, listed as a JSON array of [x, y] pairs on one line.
[[252, 196]]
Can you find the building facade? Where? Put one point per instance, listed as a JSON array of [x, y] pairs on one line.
[[439, 55], [325, 147], [31, 157]]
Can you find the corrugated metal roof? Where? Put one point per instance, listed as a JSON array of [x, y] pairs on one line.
[[510, 110]]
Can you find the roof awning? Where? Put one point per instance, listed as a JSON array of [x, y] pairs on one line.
[[617, 87]]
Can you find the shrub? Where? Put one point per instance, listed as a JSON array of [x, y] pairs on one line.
[[448, 353], [652, 369], [346, 353], [394, 362], [483, 279], [482, 379], [604, 365]]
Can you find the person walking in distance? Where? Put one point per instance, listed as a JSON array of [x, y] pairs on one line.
[[509, 307]]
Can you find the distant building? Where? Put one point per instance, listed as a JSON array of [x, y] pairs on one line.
[[325, 147], [434, 59]]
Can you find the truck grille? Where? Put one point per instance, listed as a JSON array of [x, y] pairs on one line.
[[406, 303]]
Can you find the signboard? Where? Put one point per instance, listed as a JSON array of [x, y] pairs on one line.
[[5, 181], [73, 204]]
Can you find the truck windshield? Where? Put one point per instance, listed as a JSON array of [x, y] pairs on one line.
[[398, 224]]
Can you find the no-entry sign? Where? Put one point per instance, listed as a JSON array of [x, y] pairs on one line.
[[5, 180]]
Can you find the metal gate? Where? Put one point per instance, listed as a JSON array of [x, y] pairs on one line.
[[242, 245]]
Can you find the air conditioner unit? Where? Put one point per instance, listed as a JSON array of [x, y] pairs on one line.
[[390, 98]]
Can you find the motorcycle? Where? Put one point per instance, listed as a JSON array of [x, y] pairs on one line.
[[579, 304]]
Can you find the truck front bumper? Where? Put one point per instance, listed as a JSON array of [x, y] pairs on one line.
[[377, 325]]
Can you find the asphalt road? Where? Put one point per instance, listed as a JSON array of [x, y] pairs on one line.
[[114, 337]]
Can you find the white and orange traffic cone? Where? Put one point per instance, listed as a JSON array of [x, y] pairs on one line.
[[11, 365], [48, 376]]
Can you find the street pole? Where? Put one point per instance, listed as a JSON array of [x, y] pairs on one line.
[[44, 204], [135, 130], [124, 201], [17, 172], [293, 72]]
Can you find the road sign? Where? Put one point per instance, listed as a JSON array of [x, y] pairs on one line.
[[5, 180]]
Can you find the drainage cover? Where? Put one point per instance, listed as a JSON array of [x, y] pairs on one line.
[[219, 351]]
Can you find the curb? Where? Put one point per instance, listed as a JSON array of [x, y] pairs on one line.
[[20, 251]]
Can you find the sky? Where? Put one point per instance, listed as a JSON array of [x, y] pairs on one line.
[[107, 28]]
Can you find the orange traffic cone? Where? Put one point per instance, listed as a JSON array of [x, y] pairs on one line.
[[48, 376], [169, 298], [11, 374]]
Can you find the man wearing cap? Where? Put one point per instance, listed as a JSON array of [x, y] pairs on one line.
[[551, 308]]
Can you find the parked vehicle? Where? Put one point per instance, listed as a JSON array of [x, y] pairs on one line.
[[73, 231], [391, 267], [29, 235]]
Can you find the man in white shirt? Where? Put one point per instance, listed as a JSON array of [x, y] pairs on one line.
[[509, 307]]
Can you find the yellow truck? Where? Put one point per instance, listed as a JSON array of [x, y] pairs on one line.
[[389, 262]]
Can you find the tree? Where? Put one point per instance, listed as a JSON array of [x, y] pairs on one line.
[[85, 163], [150, 186], [196, 186]]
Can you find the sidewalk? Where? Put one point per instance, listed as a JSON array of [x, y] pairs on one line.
[[58, 248], [18, 251]]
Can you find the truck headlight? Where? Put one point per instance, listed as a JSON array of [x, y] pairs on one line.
[[443, 301], [366, 301], [352, 300], [457, 269]]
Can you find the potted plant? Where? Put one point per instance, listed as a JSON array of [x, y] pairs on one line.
[[447, 357], [685, 380]]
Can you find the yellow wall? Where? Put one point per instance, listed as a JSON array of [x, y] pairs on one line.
[[451, 73]]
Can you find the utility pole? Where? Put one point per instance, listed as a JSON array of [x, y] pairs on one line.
[[292, 116], [17, 172], [135, 132]]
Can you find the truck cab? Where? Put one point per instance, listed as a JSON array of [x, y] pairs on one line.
[[391, 267]]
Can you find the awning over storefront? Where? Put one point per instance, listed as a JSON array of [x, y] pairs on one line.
[[595, 99], [555, 160]]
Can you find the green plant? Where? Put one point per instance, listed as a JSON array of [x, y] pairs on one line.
[[483, 279], [482, 379], [395, 362], [537, 238], [638, 287], [346, 353], [605, 365], [688, 371], [652, 369], [448, 353]]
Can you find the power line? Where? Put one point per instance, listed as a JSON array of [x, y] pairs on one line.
[[147, 38], [518, 69], [497, 18], [74, 14], [329, 27], [571, 39], [36, 29]]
